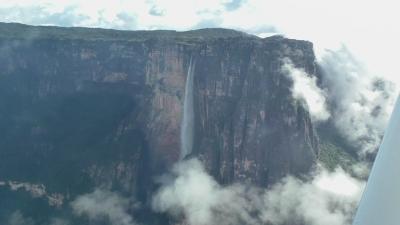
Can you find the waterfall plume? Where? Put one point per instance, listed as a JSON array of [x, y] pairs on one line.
[[187, 127]]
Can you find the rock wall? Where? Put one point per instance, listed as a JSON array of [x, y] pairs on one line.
[[97, 108]]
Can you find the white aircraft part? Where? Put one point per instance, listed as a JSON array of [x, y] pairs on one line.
[[380, 204]]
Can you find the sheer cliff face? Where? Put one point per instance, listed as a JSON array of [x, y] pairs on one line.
[[248, 126], [79, 112]]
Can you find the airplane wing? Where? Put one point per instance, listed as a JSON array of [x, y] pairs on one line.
[[380, 204]]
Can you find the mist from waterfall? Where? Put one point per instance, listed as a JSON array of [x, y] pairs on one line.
[[187, 127]]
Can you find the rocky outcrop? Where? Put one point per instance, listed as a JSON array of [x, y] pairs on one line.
[[82, 108], [35, 190]]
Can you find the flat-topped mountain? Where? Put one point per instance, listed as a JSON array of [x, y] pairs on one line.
[[82, 108]]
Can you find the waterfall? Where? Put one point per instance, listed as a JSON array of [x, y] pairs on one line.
[[187, 126]]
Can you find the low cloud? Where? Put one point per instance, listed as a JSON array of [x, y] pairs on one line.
[[196, 196], [305, 89], [191, 196], [16, 218], [102, 204], [361, 102], [190, 193], [329, 198]]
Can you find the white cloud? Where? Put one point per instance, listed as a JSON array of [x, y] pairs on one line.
[[197, 197], [362, 102], [338, 183], [327, 198], [305, 88], [330, 198], [16, 218], [104, 204]]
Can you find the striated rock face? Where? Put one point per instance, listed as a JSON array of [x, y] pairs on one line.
[[82, 108], [248, 126]]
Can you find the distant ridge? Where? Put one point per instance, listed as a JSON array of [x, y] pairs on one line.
[[22, 31]]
